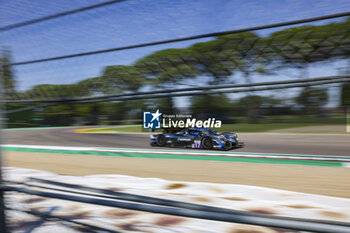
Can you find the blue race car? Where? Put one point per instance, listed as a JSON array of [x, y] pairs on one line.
[[204, 138]]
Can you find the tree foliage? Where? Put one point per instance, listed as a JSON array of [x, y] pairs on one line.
[[345, 94], [121, 78], [312, 98], [210, 104], [218, 60], [169, 66], [7, 75]]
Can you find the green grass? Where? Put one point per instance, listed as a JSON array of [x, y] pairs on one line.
[[243, 127]]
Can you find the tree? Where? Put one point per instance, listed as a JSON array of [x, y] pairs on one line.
[[217, 59], [165, 105], [227, 54], [7, 75], [62, 114], [91, 86], [312, 98], [213, 104], [254, 105], [213, 60], [121, 78], [345, 94], [299, 46], [53, 91], [167, 68]]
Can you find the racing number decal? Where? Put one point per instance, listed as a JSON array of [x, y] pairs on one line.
[[196, 144]]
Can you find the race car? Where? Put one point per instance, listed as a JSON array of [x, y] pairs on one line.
[[203, 138]]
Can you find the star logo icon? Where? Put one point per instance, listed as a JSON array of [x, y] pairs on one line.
[[156, 115]]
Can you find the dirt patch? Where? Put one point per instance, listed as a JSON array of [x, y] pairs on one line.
[[332, 214], [235, 198], [169, 221], [175, 186], [300, 206]]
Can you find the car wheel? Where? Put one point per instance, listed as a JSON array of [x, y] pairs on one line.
[[161, 140], [207, 143], [235, 145], [228, 146]]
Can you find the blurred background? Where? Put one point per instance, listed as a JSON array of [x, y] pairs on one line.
[[105, 65]]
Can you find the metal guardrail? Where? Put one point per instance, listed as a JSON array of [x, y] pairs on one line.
[[50, 217], [163, 206]]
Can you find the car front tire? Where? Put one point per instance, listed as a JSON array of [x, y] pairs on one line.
[[228, 146]]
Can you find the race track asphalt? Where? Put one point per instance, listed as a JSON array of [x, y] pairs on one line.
[[314, 144]]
